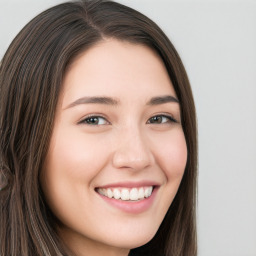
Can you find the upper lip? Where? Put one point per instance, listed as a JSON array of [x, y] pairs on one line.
[[131, 184]]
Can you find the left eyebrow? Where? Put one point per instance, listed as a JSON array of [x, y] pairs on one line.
[[93, 100], [162, 100]]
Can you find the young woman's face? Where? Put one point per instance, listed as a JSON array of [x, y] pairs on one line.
[[117, 153]]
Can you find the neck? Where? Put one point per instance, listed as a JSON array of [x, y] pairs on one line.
[[83, 246]]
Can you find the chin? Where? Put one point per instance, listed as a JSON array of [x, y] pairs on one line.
[[132, 240]]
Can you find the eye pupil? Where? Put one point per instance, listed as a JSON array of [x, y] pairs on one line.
[[157, 119], [92, 120]]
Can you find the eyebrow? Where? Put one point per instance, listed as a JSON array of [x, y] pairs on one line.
[[162, 100], [111, 101], [93, 100]]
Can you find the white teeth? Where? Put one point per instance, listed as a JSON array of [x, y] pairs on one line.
[[126, 194], [141, 193], [134, 194], [117, 194], [109, 193], [101, 191], [148, 191]]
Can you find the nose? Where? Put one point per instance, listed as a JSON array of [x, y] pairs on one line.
[[133, 151]]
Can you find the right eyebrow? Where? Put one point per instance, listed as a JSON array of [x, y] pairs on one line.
[[162, 100], [93, 100]]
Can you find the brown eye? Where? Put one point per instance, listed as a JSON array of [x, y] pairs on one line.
[[94, 120], [161, 119], [156, 120]]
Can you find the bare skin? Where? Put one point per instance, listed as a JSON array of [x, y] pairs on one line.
[[117, 130]]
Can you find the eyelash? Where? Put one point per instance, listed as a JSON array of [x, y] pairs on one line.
[[86, 120], [170, 118]]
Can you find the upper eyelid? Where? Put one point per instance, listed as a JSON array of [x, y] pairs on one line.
[[172, 116]]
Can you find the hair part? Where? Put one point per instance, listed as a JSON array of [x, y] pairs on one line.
[[31, 76]]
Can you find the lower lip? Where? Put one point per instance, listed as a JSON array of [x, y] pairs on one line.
[[134, 207]]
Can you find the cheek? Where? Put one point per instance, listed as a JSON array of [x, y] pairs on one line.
[[76, 155], [71, 164], [171, 155]]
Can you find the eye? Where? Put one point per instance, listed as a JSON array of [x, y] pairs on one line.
[[161, 119], [94, 120]]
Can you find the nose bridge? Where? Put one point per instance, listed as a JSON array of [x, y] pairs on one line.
[[132, 150]]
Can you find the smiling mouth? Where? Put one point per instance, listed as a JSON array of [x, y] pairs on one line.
[[126, 194]]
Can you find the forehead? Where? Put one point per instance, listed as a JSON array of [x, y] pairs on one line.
[[118, 69]]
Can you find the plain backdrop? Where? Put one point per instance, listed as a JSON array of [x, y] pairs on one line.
[[217, 43]]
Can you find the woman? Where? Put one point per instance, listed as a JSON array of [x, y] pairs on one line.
[[98, 137]]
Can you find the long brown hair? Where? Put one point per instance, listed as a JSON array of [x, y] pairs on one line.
[[31, 75]]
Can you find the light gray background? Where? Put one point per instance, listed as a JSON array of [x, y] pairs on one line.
[[217, 42]]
